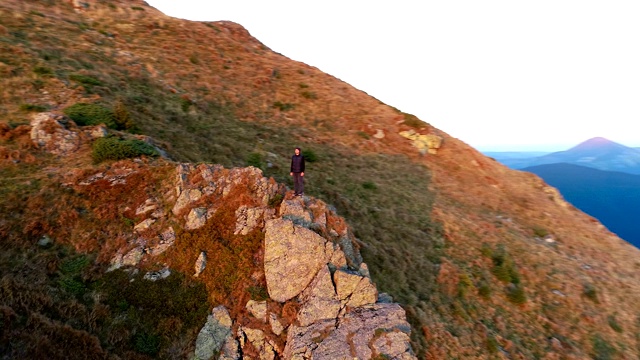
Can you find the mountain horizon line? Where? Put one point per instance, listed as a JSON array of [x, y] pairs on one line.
[[550, 148]]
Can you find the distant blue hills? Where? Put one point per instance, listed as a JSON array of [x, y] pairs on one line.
[[598, 153], [598, 176]]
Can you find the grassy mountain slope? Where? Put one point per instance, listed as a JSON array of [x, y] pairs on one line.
[[612, 197], [455, 237]]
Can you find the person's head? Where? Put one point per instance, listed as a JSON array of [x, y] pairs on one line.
[[297, 151]]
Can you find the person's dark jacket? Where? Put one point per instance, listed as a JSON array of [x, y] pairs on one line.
[[297, 163]]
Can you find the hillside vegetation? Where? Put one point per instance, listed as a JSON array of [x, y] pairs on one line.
[[488, 262]]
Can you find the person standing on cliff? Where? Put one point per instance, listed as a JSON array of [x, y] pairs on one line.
[[297, 171]]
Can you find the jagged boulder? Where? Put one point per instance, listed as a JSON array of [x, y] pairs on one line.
[[338, 316], [293, 256], [379, 330], [263, 188], [260, 187], [354, 289], [215, 334], [319, 300]]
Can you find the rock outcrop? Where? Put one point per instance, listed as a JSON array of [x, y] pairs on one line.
[[311, 263], [310, 259], [293, 256], [429, 143], [339, 317], [378, 330], [199, 188], [49, 132], [320, 301]]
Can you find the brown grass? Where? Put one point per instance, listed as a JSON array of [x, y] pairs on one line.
[[234, 256]]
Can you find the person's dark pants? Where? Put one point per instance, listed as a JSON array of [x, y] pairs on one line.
[[298, 183]]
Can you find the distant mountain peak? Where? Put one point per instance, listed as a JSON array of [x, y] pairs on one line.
[[598, 140], [596, 143], [598, 153]]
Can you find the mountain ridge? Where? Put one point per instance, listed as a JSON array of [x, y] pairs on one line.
[[472, 250]]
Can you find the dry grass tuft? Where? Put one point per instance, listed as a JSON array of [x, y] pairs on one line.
[[234, 258]]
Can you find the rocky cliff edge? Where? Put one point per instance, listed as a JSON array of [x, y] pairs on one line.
[[321, 303]]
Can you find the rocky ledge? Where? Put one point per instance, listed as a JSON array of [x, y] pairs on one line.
[[310, 259], [322, 303]]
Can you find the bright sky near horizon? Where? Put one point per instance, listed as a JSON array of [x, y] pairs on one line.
[[500, 75]]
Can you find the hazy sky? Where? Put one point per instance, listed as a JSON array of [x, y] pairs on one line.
[[499, 75]]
